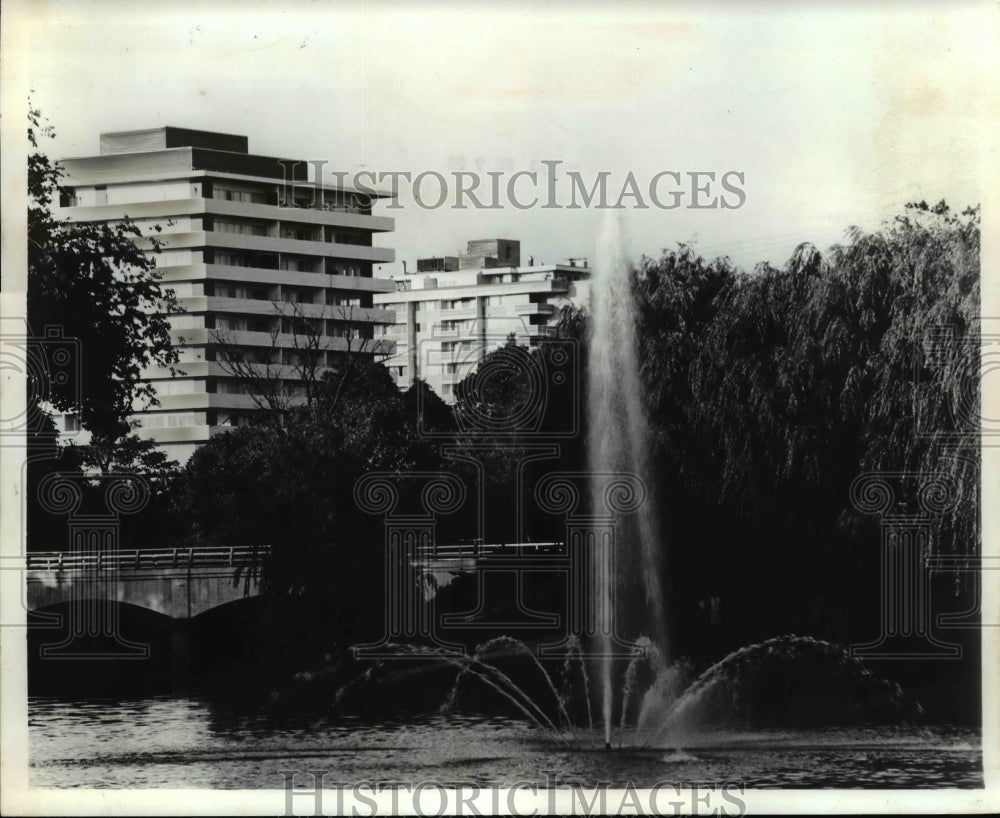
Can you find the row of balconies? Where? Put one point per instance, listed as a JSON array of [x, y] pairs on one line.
[[529, 309], [218, 389], [262, 356], [278, 294], [163, 209], [455, 314], [351, 340], [536, 288], [269, 244], [330, 234], [304, 327], [201, 272], [199, 304], [282, 195]]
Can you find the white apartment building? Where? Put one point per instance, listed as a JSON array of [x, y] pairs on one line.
[[455, 309], [254, 250]]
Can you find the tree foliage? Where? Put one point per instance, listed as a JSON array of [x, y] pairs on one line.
[[768, 394], [279, 377], [289, 485], [806, 377], [517, 399]]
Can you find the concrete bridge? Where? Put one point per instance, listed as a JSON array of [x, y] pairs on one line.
[[184, 582], [180, 582], [445, 562], [99, 604]]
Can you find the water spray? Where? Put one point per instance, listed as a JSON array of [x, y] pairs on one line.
[[618, 443]]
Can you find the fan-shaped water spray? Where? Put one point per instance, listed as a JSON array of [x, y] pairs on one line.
[[734, 683], [493, 678], [662, 704], [511, 646]]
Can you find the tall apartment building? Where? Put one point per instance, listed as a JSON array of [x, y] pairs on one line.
[[256, 253], [455, 309]]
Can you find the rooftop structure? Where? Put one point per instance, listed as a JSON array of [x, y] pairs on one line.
[[454, 311]]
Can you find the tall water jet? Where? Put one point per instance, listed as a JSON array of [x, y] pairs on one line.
[[618, 441]]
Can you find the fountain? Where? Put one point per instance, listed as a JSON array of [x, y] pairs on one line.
[[617, 442], [674, 708], [661, 699], [662, 689]]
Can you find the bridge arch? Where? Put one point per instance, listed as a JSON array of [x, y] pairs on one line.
[[138, 655], [178, 583]]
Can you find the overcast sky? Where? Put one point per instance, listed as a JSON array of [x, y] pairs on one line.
[[836, 117]]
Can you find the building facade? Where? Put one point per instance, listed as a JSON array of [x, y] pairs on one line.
[[454, 310], [260, 258]]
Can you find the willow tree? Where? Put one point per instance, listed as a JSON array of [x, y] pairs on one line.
[[915, 286], [866, 360], [678, 296], [770, 392]]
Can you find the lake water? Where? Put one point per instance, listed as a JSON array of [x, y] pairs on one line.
[[182, 742]]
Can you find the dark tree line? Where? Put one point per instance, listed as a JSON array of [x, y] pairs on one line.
[[768, 393]]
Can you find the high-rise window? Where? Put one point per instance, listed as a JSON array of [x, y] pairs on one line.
[[243, 228], [235, 195]]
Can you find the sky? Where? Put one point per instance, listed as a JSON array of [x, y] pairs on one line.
[[834, 117]]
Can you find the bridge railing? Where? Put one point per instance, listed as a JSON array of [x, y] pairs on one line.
[[136, 559], [480, 550]]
